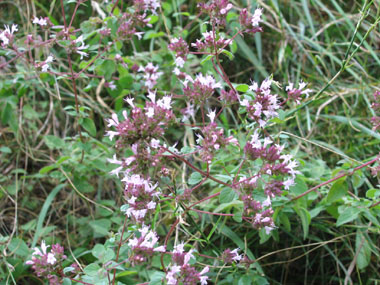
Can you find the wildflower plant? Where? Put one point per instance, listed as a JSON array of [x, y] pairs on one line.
[[179, 166]]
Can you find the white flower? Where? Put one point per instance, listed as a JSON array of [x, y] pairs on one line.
[[212, 115], [41, 21], [287, 183], [208, 80], [225, 10], [45, 66], [130, 101], [253, 86], [160, 248], [150, 112], [268, 229], [176, 71], [111, 84], [112, 134], [51, 259], [179, 62], [267, 202], [139, 35], [49, 59], [84, 54], [151, 205], [188, 256], [4, 36], [237, 257], [179, 248], [114, 160], [265, 85], [203, 279], [132, 200], [256, 18], [11, 30], [155, 143], [267, 141], [152, 96], [165, 102]]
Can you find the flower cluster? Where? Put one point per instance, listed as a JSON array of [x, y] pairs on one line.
[[44, 23], [217, 10], [261, 218], [264, 106], [210, 42], [136, 19], [151, 75], [79, 49], [181, 271], [229, 96], [230, 256], [273, 162], [147, 5], [142, 124], [250, 24], [46, 263], [213, 139], [144, 246], [139, 193], [6, 36], [277, 171], [295, 93], [45, 64], [203, 87], [181, 49]]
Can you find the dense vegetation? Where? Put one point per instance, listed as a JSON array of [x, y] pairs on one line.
[[105, 103]]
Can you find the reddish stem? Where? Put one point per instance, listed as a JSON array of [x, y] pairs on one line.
[[118, 249]]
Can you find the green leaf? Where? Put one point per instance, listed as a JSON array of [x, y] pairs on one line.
[[372, 193], [89, 126], [305, 219], [62, 159], [54, 142], [206, 59], [126, 81], [92, 269], [5, 149], [66, 281], [195, 178], [100, 227], [107, 68], [245, 280], [19, 247], [242, 88], [44, 210], [348, 215], [229, 54], [364, 256], [156, 278], [98, 250], [299, 187], [337, 190], [102, 254], [47, 169], [285, 221], [152, 34], [227, 195], [187, 149], [82, 185]]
